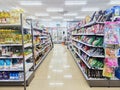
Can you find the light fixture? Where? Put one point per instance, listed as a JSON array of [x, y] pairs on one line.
[[70, 14], [80, 17], [114, 2], [68, 19], [75, 2], [41, 14], [56, 17], [31, 17], [54, 10], [90, 9], [31, 3], [46, 19]]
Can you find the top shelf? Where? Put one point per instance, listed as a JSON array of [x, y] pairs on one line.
[[90, 24], [37, 29], [90, 34], [25, 45], [10, 25]]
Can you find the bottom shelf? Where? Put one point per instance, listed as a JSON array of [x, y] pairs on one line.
[[29, 77], [96, 82]]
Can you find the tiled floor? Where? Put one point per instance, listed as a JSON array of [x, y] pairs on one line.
[[58, 72]]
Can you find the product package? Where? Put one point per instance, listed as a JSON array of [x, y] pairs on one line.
[[108, 71], [112, 33], [111, 62], [2, 63], [1, 76], [5, 75], [8, 63], [110, 52], [117, 72]]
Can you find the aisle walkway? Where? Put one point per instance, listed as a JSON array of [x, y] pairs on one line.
[[59, 72]]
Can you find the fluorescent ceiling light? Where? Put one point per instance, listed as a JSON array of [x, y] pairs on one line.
[[54, 9], [46, 19], [31, 17], [30, 3], [57, 17], [68, 19], [70, 14], [75, 2], [80, 17], [114, 2], [90, 9], [42, 14]]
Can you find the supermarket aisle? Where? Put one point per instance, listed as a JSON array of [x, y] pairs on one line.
[[58, 72]]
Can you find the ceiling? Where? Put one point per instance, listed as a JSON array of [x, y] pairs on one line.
[[72, 9]]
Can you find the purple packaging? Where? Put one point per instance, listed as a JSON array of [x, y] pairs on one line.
[[6, 75], [1, 76]]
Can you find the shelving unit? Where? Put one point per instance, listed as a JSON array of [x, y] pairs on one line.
[[16, 57], [82, 51], [90, 56], [42, 45]]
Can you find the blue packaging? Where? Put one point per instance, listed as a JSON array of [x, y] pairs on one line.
[[16, 76], [1, 63], [8, 62], [117, 72], [5, 75], [108, 11], [11, 76], [116, 10]]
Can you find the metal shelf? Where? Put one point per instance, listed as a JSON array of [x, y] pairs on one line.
[[91, 23], [12, 69], [83, 60], [11, 57], [28, 66], [43, 37], [28, 56], [88, 34], [99, 56], [86, 62], [83, 71], [10, 25], [36, 35], [9, 80], [87, 44], [26, 45], [37, 29]]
